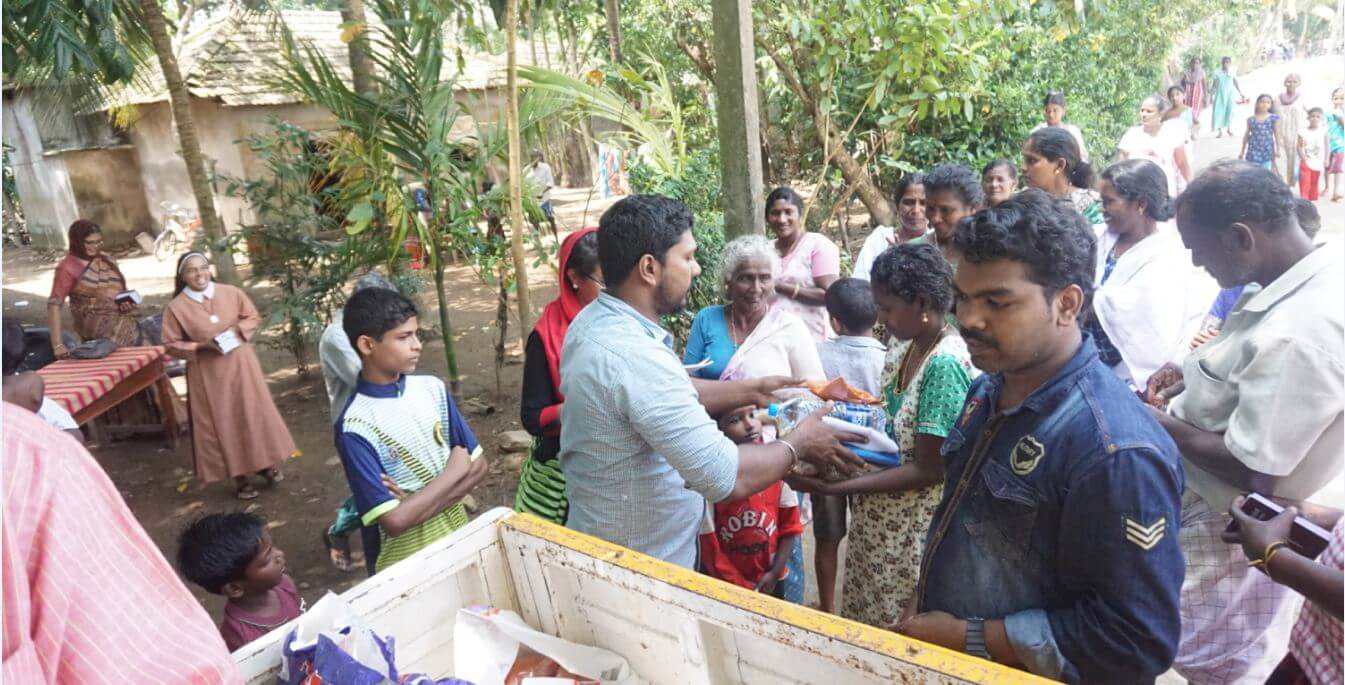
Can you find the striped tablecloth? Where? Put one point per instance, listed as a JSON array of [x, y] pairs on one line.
[[76, 383]]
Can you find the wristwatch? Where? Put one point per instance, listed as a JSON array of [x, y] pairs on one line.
[[976, 638]]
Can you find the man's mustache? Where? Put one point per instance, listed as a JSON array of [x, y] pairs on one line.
[[970, 335]]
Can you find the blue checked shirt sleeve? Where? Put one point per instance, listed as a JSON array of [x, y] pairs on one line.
[[1125, 627], [665, 410]]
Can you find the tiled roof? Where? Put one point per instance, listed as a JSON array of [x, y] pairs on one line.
[[236, 58]]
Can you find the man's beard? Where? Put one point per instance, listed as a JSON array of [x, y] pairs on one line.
[[667, 302]]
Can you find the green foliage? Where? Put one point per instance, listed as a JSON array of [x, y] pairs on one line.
[[653, 122], [399, 143], [295, 239], [699, 188], [99, 40]]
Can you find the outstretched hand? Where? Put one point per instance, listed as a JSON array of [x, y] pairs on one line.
[[763, 389], [820, 444]]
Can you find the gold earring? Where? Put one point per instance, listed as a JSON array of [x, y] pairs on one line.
[[924, 317]]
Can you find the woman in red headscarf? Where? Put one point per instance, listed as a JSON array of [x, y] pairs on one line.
[[541, 485], [91, 280]]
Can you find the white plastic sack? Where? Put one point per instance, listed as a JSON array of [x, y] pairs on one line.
[[486, 642]]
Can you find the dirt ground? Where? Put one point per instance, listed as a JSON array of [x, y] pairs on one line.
[[158, 484]]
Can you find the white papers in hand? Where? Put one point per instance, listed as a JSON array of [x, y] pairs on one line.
[[227, 341]]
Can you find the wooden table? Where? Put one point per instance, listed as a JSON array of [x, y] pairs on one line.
[[88, 388]]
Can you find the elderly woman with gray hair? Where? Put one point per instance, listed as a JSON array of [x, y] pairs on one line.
[[749, 336]]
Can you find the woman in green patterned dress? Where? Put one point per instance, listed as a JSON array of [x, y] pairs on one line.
[[924, 383], [541, 484]]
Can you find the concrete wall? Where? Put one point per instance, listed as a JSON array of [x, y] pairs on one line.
[[108, 191], [103, 180], [220, 130], [42, 181]]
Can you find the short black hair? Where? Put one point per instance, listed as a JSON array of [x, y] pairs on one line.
[[850, 301], [1309, 219], [915, 178], [1000, 164], [1053, 143], [584, 254], [375, 311], [1054, 97], [909, 270], [1045, 234], [1140, 179], [636, 226], [1316, 110], [12, 345], [1236, 191], [217, 548], [784, 193], [958, 179]]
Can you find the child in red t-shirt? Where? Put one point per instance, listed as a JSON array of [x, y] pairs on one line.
[[753, 537]]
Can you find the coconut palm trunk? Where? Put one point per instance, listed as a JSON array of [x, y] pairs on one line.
[[157, 28], [516, 172]]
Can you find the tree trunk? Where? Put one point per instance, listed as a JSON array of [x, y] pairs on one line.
[[516, 170], [855, 174], [179, 100], [361, 67], [502, 323], [532, 34], [445, 326], [613, 29], [578, 160]]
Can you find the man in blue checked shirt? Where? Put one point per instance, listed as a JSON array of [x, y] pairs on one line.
[[640, 453], [1055, 546]]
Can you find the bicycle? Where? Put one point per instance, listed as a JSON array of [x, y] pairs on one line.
[[179, 229]]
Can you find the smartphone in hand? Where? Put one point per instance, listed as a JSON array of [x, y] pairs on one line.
[[1305, 537]]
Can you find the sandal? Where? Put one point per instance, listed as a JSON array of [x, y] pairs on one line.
[[338, 548], [246, 492], [272, 475]]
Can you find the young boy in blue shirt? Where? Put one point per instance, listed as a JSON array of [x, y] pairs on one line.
[[858, 357], [404, 430]]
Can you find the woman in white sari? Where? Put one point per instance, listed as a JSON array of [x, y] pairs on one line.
[[751, 337], [1149, 299]]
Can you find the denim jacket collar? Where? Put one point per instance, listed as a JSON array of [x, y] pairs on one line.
[[1054, 390]]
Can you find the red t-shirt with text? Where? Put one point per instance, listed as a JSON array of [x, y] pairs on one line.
[[747, 532]]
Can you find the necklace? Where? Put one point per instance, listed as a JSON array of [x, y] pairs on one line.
[[733, 330], [902, 382]]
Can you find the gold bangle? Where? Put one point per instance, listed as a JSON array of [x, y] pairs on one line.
[[1271, 549], [796, 292], [792, 452]]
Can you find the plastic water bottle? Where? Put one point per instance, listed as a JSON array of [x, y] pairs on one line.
[[787, 414]]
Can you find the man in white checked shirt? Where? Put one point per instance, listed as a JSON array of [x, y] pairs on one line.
[[1259, 408], [640, 453]]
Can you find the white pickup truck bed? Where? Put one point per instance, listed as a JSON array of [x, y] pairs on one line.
[[671, 624]]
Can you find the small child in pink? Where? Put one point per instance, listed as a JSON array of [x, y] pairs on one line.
[[233, 555]]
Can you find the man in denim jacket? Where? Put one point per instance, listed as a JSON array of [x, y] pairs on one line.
[[1055, 547]]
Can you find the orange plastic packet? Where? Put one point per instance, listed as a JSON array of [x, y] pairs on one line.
[[837, 390]]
